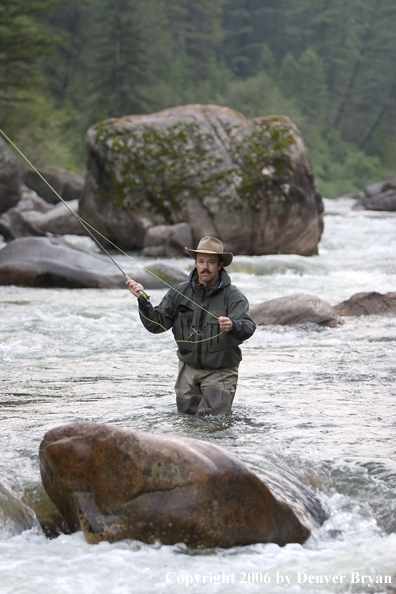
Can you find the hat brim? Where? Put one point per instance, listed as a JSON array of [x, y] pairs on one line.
[[226, 257]]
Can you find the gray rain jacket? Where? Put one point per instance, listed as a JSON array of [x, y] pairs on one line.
[[201, 343]]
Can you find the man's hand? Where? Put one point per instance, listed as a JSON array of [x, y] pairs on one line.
[[134, 287], [225, 324]]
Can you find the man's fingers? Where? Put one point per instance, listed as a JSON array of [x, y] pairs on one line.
[[134, 287], [225, 324]]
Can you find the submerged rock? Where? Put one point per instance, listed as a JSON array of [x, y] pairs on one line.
[[295, 309], [52, 262], [15, 515], [247, 182], [115, 483], [366, 304]]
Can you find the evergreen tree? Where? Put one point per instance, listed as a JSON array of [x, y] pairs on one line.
[[117, 62], [197, 26], [250, 26], [23, 43]]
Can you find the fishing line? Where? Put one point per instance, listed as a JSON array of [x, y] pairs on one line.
[[88, 228]]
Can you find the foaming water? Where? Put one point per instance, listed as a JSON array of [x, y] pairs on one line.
[[313, 416]]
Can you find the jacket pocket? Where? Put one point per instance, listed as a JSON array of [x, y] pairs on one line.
[[183, 330], [218, 340]]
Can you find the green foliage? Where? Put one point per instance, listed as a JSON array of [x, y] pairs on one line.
[[42, 132], [327, 64], [23, 42]]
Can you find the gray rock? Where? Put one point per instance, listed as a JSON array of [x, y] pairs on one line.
[[67, 184], [366, 304], [52, 262], [14, 224], [167, 273], [247, 182], [390, 183], [31, 201], [295, 309], [10, 191], [59, 220], [167, 241], [384, 201], [378, 196], [115, 484], [373, 189]]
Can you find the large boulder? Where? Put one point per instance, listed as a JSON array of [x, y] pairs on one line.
[[366, 304], [52, 262], [295, 309], [66, 183], [10, 191], [247, 182], [115, 484]]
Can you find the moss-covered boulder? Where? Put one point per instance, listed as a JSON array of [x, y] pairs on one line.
[[10, 190], [247, 182]]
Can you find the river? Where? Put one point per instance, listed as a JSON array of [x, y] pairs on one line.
[[314, 416]]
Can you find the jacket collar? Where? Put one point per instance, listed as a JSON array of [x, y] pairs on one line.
[[223, 280]]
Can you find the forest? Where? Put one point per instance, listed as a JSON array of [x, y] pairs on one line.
[[327, 64]]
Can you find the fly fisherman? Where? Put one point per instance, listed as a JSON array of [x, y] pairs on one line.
[[209, 319]]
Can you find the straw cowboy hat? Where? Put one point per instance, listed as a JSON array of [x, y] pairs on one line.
[[211, 245]]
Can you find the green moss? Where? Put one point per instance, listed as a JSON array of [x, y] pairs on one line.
[[149, 169]]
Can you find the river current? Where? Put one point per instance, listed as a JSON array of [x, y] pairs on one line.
[[314, 416]]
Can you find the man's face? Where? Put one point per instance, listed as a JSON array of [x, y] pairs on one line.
[[208, 267]]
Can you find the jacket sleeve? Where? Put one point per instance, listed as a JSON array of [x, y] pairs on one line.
[[238, 311], [159, 318]]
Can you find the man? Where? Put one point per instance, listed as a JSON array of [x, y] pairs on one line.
[[209, 319]]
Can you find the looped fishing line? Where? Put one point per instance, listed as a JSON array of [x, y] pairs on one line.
[[87, 227]]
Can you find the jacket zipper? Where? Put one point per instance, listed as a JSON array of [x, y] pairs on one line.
[[200, 328]]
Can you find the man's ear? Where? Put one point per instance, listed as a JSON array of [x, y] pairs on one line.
[[221, 264]]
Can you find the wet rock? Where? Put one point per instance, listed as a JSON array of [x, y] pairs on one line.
[[115, 483], [48, 516], [295, 309], [10, 191], [167, 241], [52, 262], [67, 184], [15, 515], [366, 304], [247, 182]]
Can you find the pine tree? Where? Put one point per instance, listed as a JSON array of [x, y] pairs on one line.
[[116, 61], [197, 26], [250, 26], [23, 43]]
